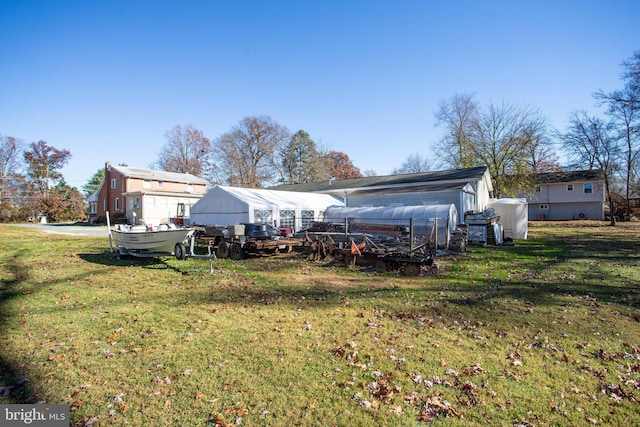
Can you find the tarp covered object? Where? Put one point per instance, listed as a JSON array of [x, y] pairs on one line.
[[514, 216], [445, 216], [224, 205]]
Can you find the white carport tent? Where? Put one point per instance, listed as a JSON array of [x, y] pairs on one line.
[[224, 205]]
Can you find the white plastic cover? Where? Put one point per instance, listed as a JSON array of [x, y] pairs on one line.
[[514, 216], [445, 216], [224, 205]]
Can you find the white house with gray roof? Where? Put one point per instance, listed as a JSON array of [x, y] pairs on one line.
[[468, 189]]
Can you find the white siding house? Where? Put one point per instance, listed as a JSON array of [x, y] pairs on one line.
[[567, 195]]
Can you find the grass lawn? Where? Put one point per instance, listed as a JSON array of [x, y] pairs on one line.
[[546, 332]]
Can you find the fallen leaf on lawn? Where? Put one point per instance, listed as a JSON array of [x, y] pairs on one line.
[[197, 395], [396, 409]]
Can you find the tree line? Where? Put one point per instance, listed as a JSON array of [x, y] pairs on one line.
[[515, 142], [32, 185]]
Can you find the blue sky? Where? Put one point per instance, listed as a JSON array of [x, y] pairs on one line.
[[107, 79]]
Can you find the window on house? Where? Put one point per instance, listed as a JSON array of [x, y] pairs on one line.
[[146, 183], [544, 207], [114, 183], [164, 201], [588, 188], [136, 203], [93, 208], [151, 201], [117, 203], [538, 189], [160, 184], [189, 188], [569, 187]]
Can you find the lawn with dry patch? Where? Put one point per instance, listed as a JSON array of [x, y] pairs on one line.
[[545, 332]]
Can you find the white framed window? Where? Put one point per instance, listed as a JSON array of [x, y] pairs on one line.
[[146, 183], [117, 203], [543, 207], [262, 216], [114, 183], [569, 187], [136, 203], [189, 188], [164, 201], [151, 201], [307, 217], [160, 184], [538, 189], [588, 188], [288, 218], [93, 208]]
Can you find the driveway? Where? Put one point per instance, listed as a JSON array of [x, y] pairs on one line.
[[70, 228]]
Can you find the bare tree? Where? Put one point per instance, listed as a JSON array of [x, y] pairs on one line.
[[459, 115], [510, 140], [11, 150], [247, 155], [502, 139], [414, 163], [591, 142], [186, 151], [623, 106]]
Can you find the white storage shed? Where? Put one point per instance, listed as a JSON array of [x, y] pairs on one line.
[[513, 216], [224, 205]]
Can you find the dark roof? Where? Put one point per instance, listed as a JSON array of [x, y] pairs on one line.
[[570, 176], [460, 175], [427, 188]]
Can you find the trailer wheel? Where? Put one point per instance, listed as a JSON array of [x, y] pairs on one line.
[[412, 269], [179, 251], [236, 251], [223, 249]]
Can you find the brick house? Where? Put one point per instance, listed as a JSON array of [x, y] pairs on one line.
[[145, 196]]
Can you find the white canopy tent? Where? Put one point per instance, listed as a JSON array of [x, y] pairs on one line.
[[224, 205], [445, 217]]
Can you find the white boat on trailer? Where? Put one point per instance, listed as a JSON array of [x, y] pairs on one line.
[[143, 241]]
